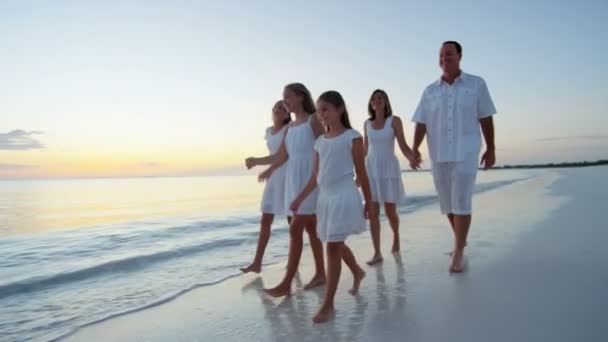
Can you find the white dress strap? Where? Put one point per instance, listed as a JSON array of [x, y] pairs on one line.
[[389, 122]]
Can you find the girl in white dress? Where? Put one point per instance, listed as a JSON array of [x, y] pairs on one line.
[[339, 154], [297, 151], [273, 198], [382, 166]]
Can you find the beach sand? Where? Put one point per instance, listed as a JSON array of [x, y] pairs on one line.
[[536, 272]]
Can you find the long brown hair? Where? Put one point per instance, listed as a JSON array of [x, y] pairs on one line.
[[388, 110], [336, 100], [307, 102]]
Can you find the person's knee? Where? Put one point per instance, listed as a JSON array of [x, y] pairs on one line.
[[311, 230], [334, 248], [296, 229], [391, 211], [376, 217], [267, 219]]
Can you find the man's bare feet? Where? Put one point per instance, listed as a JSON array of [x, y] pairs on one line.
[[357, 277], [324, 314], [317, 281], [377, 258], [279, 291], [252, 268]]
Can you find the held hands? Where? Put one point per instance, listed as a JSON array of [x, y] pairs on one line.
[[415, 159], [488, 159]]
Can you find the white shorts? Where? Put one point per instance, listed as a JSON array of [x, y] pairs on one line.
[[455, 184]]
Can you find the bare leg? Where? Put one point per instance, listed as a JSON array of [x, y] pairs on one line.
[[461, 228], [265, 224], [289, 218], [334, 267], [393, 219], [374, 227], [451, 219], [351, 262], [296, 230], [317, 253]]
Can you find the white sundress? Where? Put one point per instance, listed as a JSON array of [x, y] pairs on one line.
[[339, 207], [299, 142], [273, 198], [382, 165]]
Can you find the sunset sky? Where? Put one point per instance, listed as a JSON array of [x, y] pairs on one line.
[[141, 88]]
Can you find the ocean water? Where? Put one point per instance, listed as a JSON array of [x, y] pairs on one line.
[[77, 252]]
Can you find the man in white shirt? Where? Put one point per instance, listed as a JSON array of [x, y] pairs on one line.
[[451, 112]]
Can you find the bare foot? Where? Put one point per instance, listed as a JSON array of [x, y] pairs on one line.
[[457, 264], [252, 268], [396, 247], [324, 314], [358, 276], [375, 259], [317, 281], [279, 291]]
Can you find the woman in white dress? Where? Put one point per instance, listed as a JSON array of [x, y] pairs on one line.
[[382, 166], [297, 151], [339, 154], [273, 198]]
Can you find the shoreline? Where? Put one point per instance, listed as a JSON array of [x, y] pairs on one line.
[[408, 297]]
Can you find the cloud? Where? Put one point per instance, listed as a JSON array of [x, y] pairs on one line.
[[20, 140], [151, 164], [16, 167], [576, 137]]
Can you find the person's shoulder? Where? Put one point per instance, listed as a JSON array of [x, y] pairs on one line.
[[432, 85], [314, 121], [353, 134], [473, 78], [320, 140], [431, 88]]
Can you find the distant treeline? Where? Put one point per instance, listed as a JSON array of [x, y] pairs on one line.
[[554, 165], [540, 166]]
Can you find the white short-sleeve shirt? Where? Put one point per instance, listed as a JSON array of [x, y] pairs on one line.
[[451, 114]]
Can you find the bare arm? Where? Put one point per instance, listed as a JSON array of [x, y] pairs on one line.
[[398, 129], [278, 159], [419, 134], [269, 159], [489, 157], [359, 161], [487, 127], [255, 161], [365, 149], [310, 186], [365, 140]]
